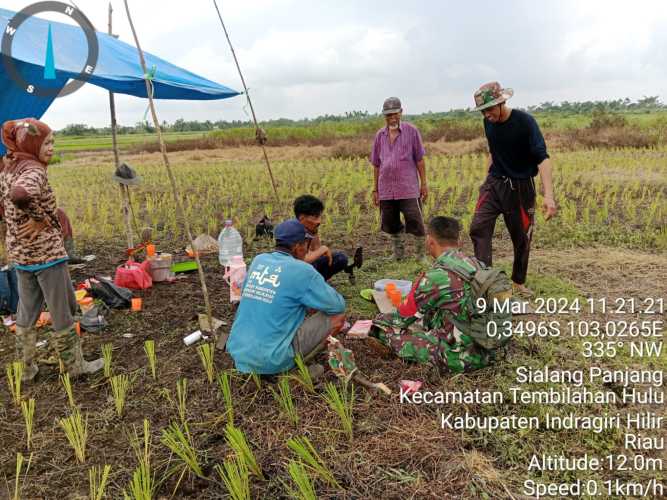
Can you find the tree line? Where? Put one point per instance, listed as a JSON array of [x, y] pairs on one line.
[[645, 104]]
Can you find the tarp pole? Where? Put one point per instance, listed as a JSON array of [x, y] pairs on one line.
[[124, 190], [163, 149], [259, 133]]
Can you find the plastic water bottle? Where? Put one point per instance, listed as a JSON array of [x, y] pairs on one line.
[[230, 243], [235, 273]]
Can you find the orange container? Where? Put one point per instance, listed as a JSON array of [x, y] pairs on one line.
[[86, 303], [136, 303], [150, 250], [395, 297]]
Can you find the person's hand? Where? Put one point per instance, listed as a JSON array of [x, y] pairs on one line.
[[549, 207], [31, 229], [423, 192], [326, 251], [376, 199]]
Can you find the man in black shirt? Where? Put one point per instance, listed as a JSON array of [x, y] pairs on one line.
[[517, 154]]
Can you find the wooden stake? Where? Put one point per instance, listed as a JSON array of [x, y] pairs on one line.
[[163, 149], [124, 190], [252, 110]]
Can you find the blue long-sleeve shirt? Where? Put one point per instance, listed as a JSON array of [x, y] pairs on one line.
[[276, 294], [517, 146]]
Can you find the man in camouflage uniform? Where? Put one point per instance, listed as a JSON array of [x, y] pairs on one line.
[[421, 330]]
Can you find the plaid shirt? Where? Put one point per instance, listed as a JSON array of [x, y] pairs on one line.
[[398, 179]]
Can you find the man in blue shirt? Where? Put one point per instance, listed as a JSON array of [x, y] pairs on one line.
[[517, 154], [271, 326]]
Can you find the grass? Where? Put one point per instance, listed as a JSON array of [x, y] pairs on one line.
[[306, 453], [28, 411], [18, 483], [304, 486], [234, 475], [67, 385], [14, 378], [341, 401], [97, 479], [303, 375], [206, 352], [237, 442], [283, 397], [75, 428], [107, 352], [142, 485], [226, 391], [149, 349], [120, 385], [179, 442], [181, 398]]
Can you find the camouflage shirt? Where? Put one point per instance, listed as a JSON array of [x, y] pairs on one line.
[[427, 335], [48, 244]]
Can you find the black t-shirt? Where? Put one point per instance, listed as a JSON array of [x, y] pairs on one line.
[[517, 146]]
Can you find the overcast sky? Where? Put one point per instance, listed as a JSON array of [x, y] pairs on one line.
[[306, 58]]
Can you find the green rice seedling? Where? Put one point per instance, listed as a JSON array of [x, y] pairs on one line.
[[342, 403], [237, 441], [304, 486], [149, 348], [303, 376], [284, 399], [142, 485], [67, 384], [120, 384], [206, 355], [18, 484], [14, 377], [305, 451], [107, 350], [180, 443], [181, 397], [97, 480], [257, 380], [234, 475], [226, 390], [28, 410], [76, 430]]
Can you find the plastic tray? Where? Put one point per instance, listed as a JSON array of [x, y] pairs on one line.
[[184, 267]]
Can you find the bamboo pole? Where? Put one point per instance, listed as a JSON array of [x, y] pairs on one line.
[[124, 190], [163, 149], [258, 131]]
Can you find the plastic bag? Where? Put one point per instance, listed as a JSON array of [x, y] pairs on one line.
[[133, 275], [113, 296]]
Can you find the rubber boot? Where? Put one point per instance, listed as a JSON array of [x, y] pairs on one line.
[[399, 246], [68, 346], [420, 250], [26, 345]]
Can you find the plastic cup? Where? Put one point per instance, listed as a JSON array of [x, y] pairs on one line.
[[136, 303], [150, 250]]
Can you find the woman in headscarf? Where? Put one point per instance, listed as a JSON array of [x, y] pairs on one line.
[[35, 245]]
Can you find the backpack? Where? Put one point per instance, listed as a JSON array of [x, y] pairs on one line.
[[495, 288]]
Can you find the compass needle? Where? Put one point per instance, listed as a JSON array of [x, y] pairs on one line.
[[49, 62]]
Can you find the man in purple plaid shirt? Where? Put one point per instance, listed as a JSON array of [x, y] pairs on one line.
[[400, 178]]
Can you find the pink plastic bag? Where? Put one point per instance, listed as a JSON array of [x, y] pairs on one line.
[[133, 276]]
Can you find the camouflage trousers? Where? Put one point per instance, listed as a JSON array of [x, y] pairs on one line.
[[452, 352]]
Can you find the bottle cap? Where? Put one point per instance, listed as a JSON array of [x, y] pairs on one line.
[[229, 222]]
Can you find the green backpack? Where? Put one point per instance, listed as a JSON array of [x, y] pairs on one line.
[[492, 285]]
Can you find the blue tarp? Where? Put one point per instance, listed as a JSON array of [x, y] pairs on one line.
[[117, 68]]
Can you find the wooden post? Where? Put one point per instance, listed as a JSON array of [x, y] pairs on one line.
[[124, 190], [165, 159], [252, 110]]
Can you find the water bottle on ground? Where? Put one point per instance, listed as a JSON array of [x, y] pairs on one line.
[[230, 243], [235, 272]]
